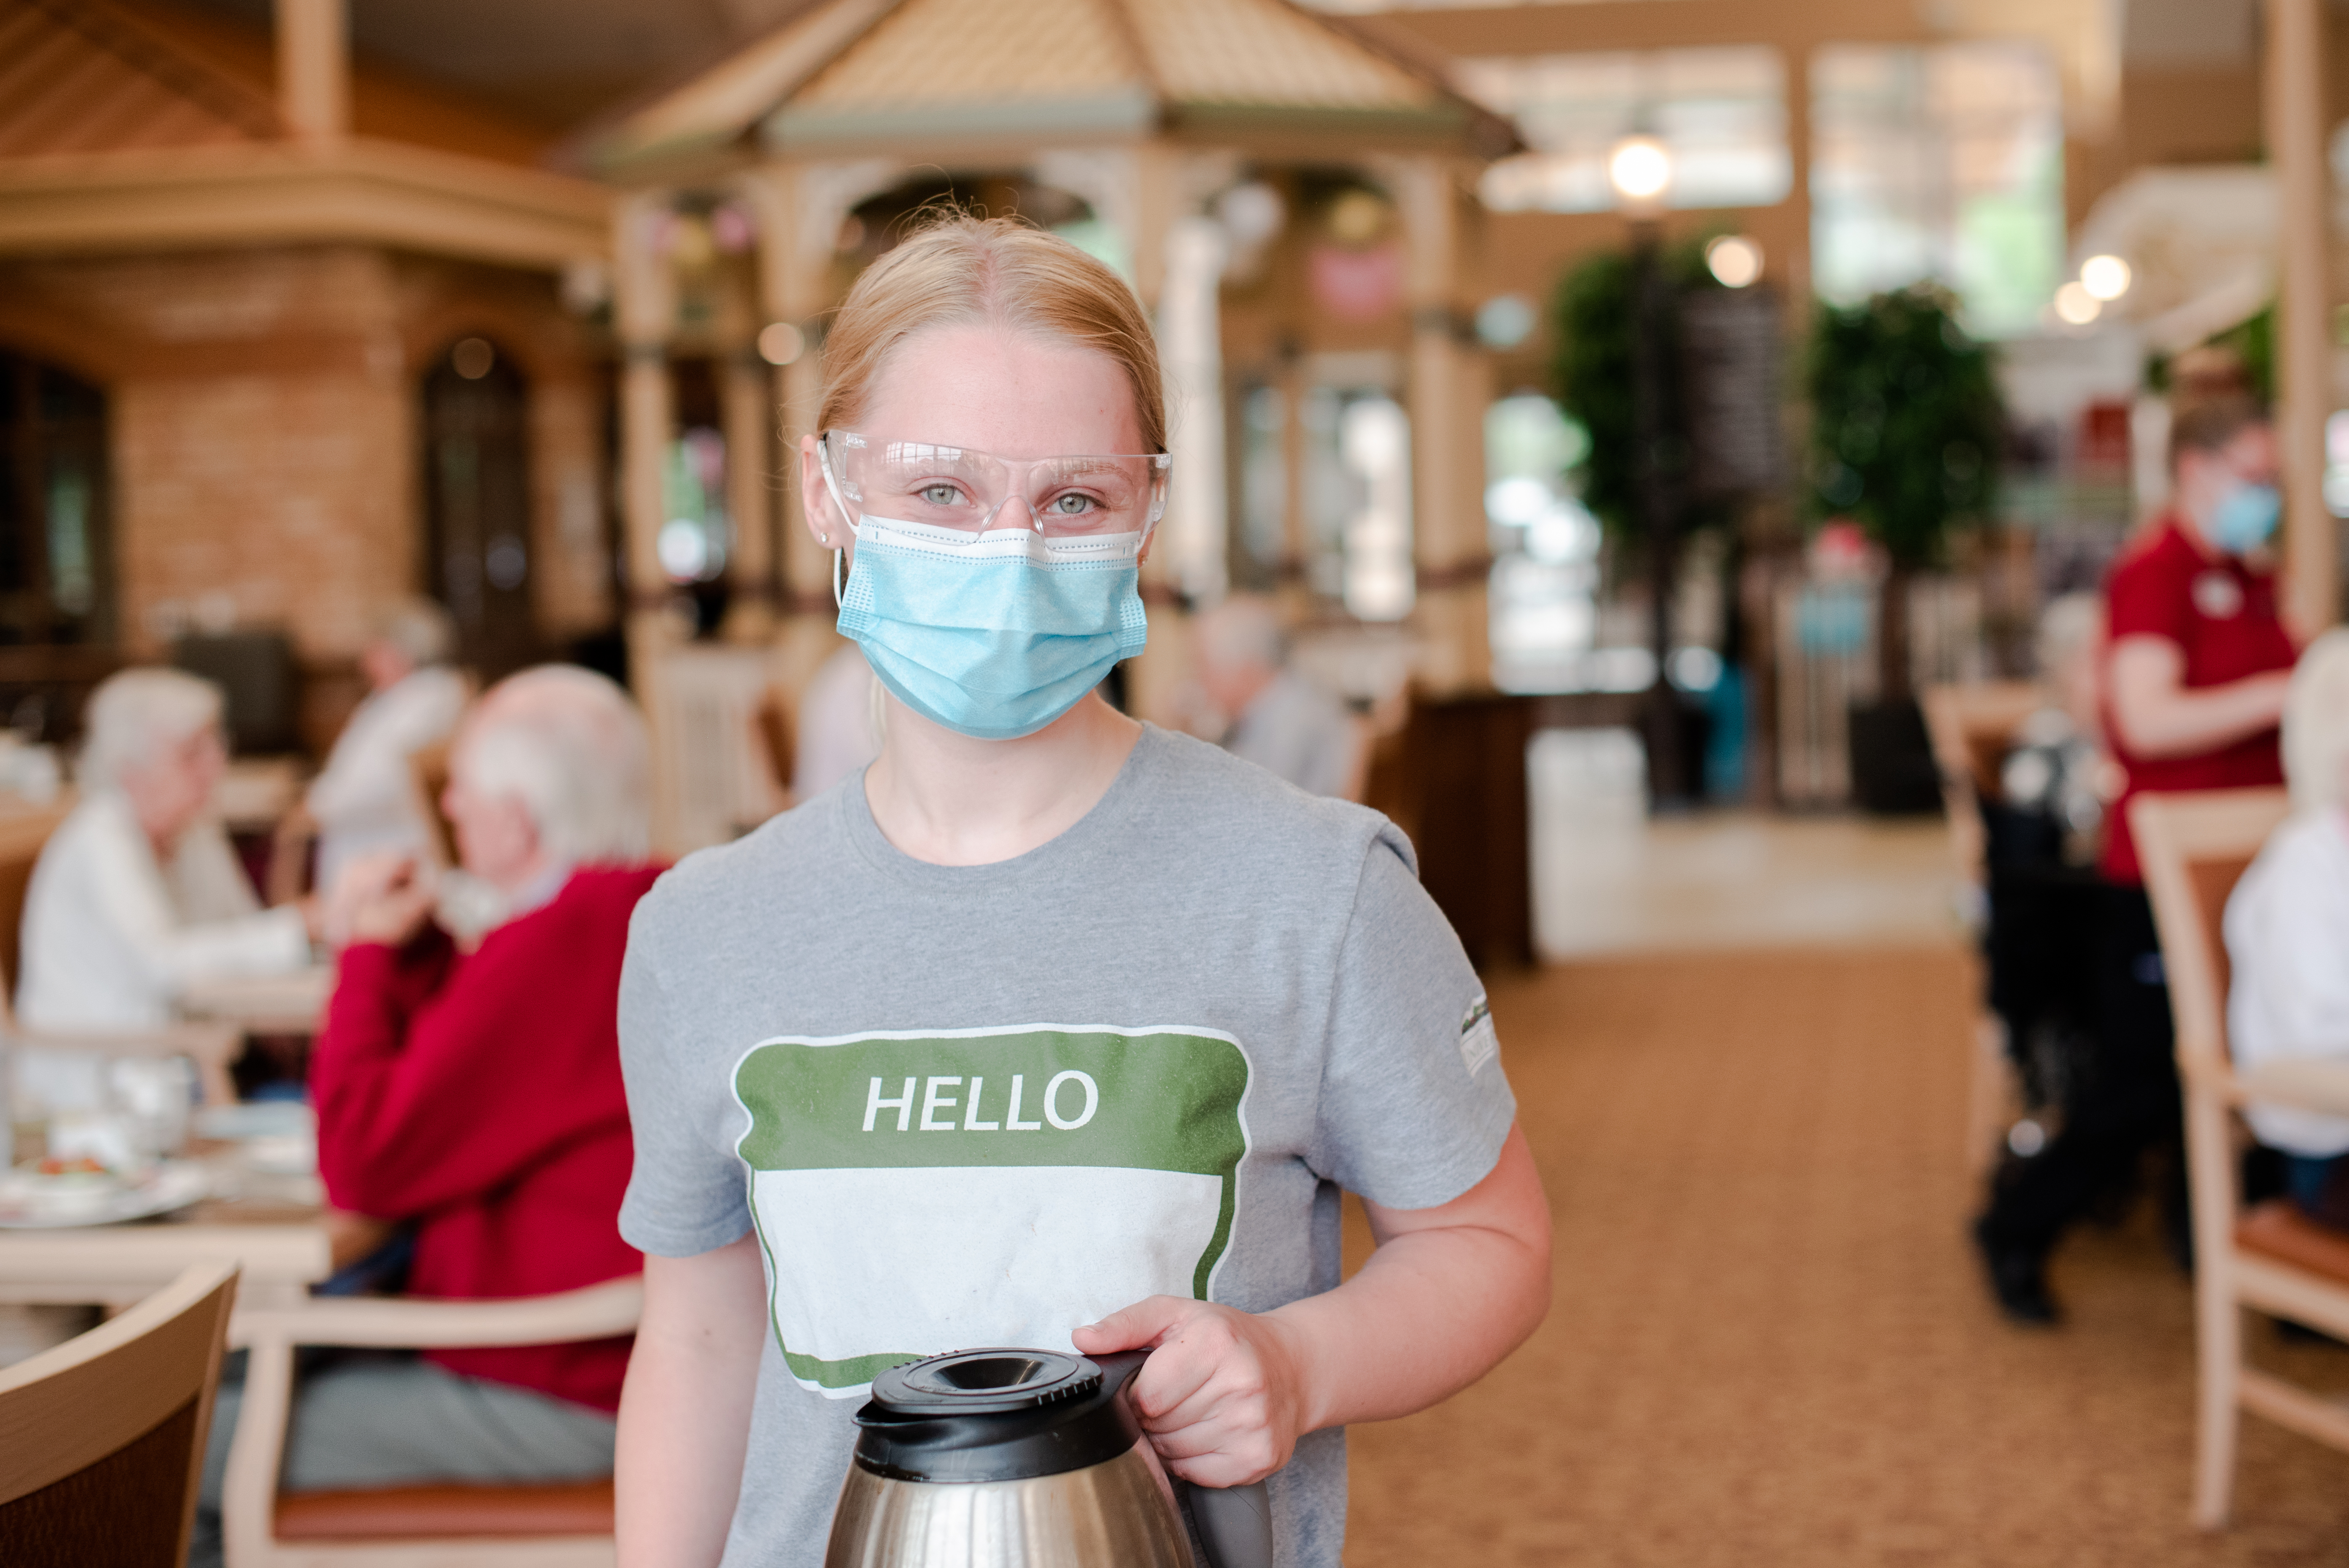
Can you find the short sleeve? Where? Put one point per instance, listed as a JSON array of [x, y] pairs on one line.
[[2146, 597], [686, 1194], [1414, 1106]]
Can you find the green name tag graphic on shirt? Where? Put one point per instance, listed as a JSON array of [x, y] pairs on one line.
[[924, 1191]]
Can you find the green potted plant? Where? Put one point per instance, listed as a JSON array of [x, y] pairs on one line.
[[1594, 371], [1906, 427]]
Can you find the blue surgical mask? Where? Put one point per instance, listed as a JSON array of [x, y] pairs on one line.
[[2245, 518], [998, 637]]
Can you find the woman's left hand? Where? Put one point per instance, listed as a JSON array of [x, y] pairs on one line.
[[1222, 1395]]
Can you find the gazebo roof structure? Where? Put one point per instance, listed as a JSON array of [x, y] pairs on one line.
[[130, 125], [859, 77]]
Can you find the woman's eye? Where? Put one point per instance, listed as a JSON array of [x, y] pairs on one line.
[[939, 495], [1071, 504]]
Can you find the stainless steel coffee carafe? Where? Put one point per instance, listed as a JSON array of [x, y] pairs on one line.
[[1026, 1458]]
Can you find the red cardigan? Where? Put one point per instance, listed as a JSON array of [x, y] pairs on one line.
[[479, 1095]]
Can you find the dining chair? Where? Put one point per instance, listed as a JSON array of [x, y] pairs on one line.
[[443, 1525], [102, 1438], [211, 1046], [2270, 1258], [1972, 728]]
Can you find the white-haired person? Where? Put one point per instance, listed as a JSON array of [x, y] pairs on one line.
[[364, 799], [474, 1095], [1049, 1027], [2287, 930], [1272, 715], [137, 895]]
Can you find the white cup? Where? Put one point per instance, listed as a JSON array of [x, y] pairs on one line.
[[155, 1096]]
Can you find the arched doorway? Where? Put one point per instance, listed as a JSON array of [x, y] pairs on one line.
[[57, 577], [477, 503]]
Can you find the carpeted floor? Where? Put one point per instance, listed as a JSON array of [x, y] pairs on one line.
[[1769, 1345]]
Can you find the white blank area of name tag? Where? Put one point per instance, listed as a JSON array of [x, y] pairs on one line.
[[917, 1260]]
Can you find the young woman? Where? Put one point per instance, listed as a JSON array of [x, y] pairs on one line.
[[1049, 1027]]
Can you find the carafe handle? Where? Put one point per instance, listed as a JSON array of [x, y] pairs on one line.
[[1235, 1522]]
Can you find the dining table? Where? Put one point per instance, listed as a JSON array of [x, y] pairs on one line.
[[275, 1223], [289, 1004]]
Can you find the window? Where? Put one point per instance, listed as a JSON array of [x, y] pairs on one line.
[[1542, 596], [56, 577], [477, 503], [1261, 539], [1723, 112], [1944, 162], [1357, 481]]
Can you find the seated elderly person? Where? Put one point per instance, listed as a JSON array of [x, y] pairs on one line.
[[474, 1094], [2287, 930], [137, 895], [1274, 716], [365, 799]]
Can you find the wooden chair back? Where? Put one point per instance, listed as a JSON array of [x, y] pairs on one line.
[[2194, 848], [1972, 728], [557, 1525], [22, 835], [102, 1438]]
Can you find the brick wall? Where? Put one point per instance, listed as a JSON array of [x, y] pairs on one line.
[[264, 416]]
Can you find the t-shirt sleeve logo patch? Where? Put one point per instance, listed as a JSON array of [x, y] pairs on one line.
[[918, 1193], [1478, 1043]]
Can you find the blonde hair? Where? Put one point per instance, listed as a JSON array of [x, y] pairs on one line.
[[2316, 724], [134, 713], [571, 746], [964, 271]]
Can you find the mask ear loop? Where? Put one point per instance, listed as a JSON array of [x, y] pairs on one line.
[[823, 466]]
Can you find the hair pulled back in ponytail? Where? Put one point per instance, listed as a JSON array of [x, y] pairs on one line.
[[958, 270]]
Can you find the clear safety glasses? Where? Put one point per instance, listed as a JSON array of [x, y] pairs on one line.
[[967, 494]]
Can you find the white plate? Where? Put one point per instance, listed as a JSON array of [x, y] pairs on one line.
[[174, 1184]]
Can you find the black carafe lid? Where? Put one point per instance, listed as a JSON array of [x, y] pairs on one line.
[[997, 1415]]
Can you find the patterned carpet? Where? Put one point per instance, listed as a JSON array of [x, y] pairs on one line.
[[1770, 1346]]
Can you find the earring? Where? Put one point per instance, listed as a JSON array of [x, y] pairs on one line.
[[821, 536]]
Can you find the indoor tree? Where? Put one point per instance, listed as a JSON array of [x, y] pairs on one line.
[[1906, 429]]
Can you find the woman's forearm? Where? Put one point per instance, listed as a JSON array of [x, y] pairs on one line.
[[1434, 1308], [685, 1410]]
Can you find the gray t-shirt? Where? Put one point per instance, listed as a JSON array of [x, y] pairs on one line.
[[984, 1105]]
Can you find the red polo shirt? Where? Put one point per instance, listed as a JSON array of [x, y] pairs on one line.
[[479, 1095], [2222, 616]]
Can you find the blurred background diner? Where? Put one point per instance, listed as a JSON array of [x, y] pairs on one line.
[[1821, 522]]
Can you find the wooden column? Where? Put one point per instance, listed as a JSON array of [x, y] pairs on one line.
[[2296, 127], [644, 306], [1296, 532], [1798, 191], [1156, 677], [747, 403], [314, 69], [1448, 392]]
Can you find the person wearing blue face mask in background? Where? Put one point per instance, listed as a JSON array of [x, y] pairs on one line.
[[2196, 665]]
